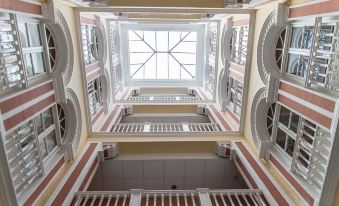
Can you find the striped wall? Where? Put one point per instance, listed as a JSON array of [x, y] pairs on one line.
[[258, 177], [77, 177], [237, 72], [314, 8], [44, 183], [87, 20], [92, 71], [24, 105], [112, 118], [22, 6], [315, 107], [241, 22], [217, 117], [290, 178]]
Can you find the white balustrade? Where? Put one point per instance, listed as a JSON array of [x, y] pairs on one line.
[[164, 98], [165, 127], [198, 197]]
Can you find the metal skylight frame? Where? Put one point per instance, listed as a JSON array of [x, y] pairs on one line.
[[180, 27]]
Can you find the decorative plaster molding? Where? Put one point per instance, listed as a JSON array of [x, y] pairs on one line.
[[64, 46], [266, 47], [258, 123], [226, 38], [74, 122]]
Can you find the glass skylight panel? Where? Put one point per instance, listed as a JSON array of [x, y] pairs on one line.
[[162, 54]]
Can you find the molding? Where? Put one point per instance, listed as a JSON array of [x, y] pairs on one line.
[[259, 131], [105, 41], [74, 125], [69, 64], [266, 46]]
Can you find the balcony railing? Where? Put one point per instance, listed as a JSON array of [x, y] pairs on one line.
[[134, 128], [236, 197], [198, 197], [11, 65], [168, 98], [323, 69]]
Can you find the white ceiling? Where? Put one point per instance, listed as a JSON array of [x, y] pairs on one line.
[[214, 173]]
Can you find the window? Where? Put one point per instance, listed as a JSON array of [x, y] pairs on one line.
[[10, 70], [279, 49], [62, 121], [90, 43], [287, 130], [210, 72], [28, 147], [94, 95], [30, 38], [164, 54], [51, 48], [297, 65], [45, 127], [270, 119], [234, 89], [239, 44]]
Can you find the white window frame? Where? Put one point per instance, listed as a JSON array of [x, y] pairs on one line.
[[199, 28]]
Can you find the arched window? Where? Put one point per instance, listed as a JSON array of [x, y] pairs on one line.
[[62, 121], [270, 119], [51, 47], [279, 49]]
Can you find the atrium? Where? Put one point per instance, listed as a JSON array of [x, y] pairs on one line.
[[171, 103]]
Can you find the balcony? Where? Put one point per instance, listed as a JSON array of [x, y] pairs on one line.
[[163, 128], [198, 197]]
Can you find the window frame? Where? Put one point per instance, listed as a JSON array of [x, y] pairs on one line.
[[29, 50], [199, 28]]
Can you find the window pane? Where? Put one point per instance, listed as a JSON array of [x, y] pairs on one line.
[[297, 33], [47, 117], [43, 149], [308, 35], [162, 54], [38, 124], [34, 35], [294, 122], [292, 65], [284, 116], [281, 138], [38, 63], [29, 65], [290, 146], [51, 141], [23, 34]]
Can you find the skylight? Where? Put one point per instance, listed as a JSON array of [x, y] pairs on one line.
[[162, 54]]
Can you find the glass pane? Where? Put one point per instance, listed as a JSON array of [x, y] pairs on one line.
[[292, 65], [38, 124], [26, 142], [297, 33], [294, 122], [308, 36], [34, 35], [23, 34], [43, 149], [29, 65], [281, 138], [47, 117], [51, 141], [284, 116], [38, 63], [290, 146]]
